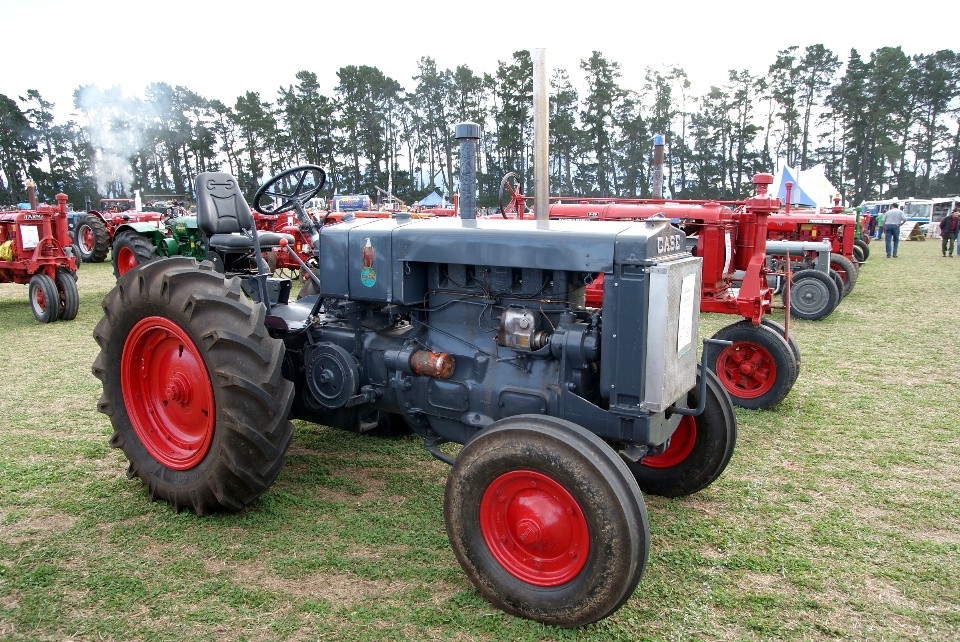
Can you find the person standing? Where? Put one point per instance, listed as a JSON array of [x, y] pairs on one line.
[[949, 228], [892, 221]]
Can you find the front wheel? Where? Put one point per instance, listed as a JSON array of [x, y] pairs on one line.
[[864, 246], [813, 295], [131, 249], [699, 449], [758, 370], [546, 520], [847, 270], [44, 300], [68, 294], [192, 385]]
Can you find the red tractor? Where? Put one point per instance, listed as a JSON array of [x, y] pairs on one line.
[[761, 366], [840, 228], [93, 230], [35, 249]]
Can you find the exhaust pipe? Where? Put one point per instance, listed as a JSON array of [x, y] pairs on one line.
[[468, 134]]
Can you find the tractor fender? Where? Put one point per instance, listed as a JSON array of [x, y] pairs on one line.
[[141, 228]]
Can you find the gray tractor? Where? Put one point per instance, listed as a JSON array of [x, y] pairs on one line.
[[467, 331]]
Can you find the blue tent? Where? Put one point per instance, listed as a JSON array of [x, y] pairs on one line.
[[434, 200], [797, 196]]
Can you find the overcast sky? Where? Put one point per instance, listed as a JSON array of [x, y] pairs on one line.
[[222, 49]]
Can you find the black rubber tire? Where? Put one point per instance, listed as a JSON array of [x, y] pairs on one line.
[[847, 270], [766, 339], [779, 329], [603, 487], [75, 249], [813, 295], [101, 243], [716, 438], [838, 281], [69, 296], [252, 399], [858, 255], [864, 247], [142, 247], [49, 311]]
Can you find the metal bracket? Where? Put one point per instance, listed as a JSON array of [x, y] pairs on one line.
[[430, 442], [702, 393]]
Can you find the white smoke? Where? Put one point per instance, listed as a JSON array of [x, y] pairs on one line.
[[117, 126]]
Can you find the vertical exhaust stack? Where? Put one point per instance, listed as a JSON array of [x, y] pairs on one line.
[[468, 134], [541, 137], [657, 166], [32, 194]]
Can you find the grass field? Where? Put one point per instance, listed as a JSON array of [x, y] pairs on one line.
[[838, 517]]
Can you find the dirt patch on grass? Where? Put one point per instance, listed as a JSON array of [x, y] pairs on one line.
[[38, 524], [339, 589]]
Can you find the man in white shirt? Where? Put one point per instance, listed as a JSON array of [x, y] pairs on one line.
[[892, 221]]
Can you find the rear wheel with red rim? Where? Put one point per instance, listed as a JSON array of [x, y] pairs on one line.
[[546, 520], [758, 370], [699, 449], [93, 238], [193, 387]]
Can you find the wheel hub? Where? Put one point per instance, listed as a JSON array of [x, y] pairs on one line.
[[87, 239], [167, 393], [746, 369], [41, 300], [178, 389], [534, 528]]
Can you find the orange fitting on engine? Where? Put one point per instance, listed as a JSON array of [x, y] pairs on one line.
[[433, 364]]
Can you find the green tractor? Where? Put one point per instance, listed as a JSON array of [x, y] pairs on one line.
[[138, 243]]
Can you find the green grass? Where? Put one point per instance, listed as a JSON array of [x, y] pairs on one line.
[[838, 517]]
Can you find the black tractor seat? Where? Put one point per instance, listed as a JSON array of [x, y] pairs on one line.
[[224, 216], [241, 242]]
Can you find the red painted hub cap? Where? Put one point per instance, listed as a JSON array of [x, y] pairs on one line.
[[87, 239], [40, 299], [168, 393], [534, 528], [126, 260], [746, 370], [681, 445]]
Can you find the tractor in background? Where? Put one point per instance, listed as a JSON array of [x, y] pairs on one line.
[[94, 231], [36, 250]]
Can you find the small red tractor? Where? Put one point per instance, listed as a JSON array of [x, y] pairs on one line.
[[839, 227], [35, 249], [761, 366], [93, 230]]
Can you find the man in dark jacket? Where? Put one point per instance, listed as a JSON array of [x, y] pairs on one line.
[[949, 228]]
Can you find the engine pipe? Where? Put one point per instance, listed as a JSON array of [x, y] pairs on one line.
[[468, 134], [541, 137]]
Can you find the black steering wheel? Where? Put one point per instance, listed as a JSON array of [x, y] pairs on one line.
[[293, 187]]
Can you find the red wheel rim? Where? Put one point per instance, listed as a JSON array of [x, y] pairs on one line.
[[126, 260], [534, 528], [40, 299], [839, 270], [167, 392], [681, 445], [746, 370], [87, 239]]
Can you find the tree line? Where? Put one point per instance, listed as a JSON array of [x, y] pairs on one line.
[[887, 126]]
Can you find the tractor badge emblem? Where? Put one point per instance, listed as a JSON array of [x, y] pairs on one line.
[[367, 275]]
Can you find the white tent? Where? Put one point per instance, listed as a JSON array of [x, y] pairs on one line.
[[810, 186]]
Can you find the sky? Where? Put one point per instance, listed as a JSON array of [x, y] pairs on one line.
[[221, 50]]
